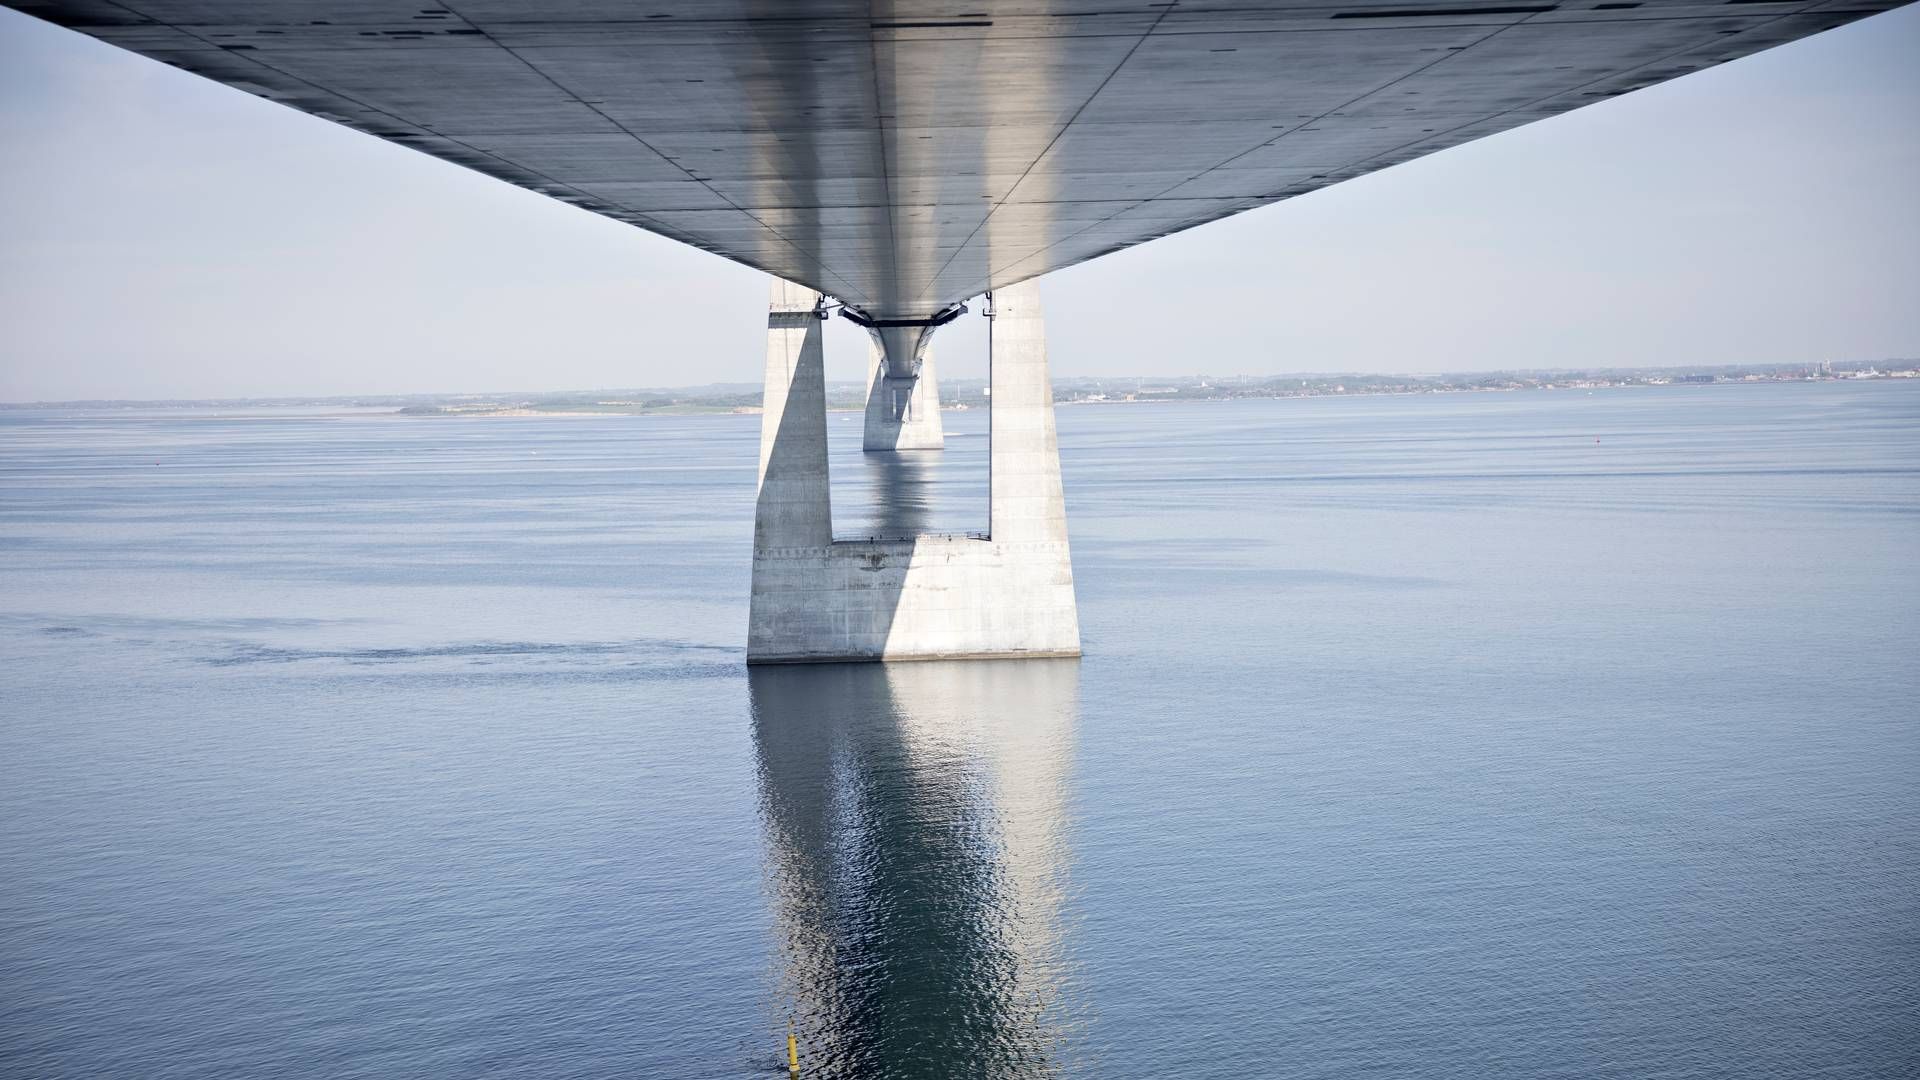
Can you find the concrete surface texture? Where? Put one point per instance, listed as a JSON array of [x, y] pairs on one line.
[[902, 413], [925, 597], [902, 157], [794, 506]]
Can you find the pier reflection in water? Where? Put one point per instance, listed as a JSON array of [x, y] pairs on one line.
[[909, 493], [915, 822], [901, 486]]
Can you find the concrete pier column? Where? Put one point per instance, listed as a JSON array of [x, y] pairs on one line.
[[1026, 504], [794, 506], [903, 398]]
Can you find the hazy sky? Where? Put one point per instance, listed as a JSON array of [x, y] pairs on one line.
[[165, 236]]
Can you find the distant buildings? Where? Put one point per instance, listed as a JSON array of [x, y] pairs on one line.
[[1215, 388]]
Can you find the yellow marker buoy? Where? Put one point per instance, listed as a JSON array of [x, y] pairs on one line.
[[793, 1052]]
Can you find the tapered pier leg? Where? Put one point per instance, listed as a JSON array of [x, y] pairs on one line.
[[1026, 502], [794, 507], [793, 510]]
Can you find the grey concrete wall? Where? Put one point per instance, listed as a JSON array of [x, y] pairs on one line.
[[930, 597], [794, 506], [924, 599]]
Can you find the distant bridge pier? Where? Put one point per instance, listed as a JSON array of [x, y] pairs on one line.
[[1008, 592], [903, 398]]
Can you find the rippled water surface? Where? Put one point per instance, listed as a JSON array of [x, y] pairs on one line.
[[1492, 735]]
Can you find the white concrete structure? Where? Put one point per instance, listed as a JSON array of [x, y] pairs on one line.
[[928, 597], [793, 509], [902, 413]]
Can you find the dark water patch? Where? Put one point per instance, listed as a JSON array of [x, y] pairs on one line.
[[1265, 577], [476, 652], [652, 671], [95, 625]]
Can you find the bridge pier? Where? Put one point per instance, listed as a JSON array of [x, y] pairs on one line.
[[903, 399], [1006, 593]]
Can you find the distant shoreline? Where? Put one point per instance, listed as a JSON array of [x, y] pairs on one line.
[[1160, 399], [963, 394]]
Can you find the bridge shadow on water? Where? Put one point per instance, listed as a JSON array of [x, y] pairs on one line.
[[901, 494], [902, 485], [916, 828]]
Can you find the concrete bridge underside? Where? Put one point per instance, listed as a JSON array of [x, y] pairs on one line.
[[902, 155]]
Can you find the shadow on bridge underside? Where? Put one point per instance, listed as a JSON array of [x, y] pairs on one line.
[[915, 822], [919, 201]]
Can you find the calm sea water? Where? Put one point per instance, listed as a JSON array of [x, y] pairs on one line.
[[1496, 735]]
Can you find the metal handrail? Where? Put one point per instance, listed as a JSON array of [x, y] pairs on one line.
[[900, 538]]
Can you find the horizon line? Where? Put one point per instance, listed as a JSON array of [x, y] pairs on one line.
[[1438, 377]]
